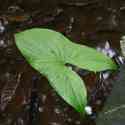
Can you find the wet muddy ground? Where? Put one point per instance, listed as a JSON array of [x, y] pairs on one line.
[[26, 97]]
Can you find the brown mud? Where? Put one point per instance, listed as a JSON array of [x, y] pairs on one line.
[[90, 22]]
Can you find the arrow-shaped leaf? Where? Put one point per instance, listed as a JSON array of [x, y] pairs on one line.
[[48, 52]]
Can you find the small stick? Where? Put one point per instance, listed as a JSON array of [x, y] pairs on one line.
[[115, 109], [80, 4]]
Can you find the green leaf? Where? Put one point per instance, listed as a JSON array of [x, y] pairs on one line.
[[48, 52], [66, 82]]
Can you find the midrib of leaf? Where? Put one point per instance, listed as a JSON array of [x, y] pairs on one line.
[[72, 88], [77, 98]]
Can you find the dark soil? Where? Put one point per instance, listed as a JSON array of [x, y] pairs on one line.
[[26, 97]]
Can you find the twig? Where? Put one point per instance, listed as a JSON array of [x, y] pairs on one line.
[[80, 4], [114, 109]]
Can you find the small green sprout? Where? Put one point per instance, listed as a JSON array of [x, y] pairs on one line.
[[48, 51]]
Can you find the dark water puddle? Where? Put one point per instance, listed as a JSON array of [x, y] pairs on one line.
[[88, 24]]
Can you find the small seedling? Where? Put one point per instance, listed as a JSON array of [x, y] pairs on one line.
[[49, 51]]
